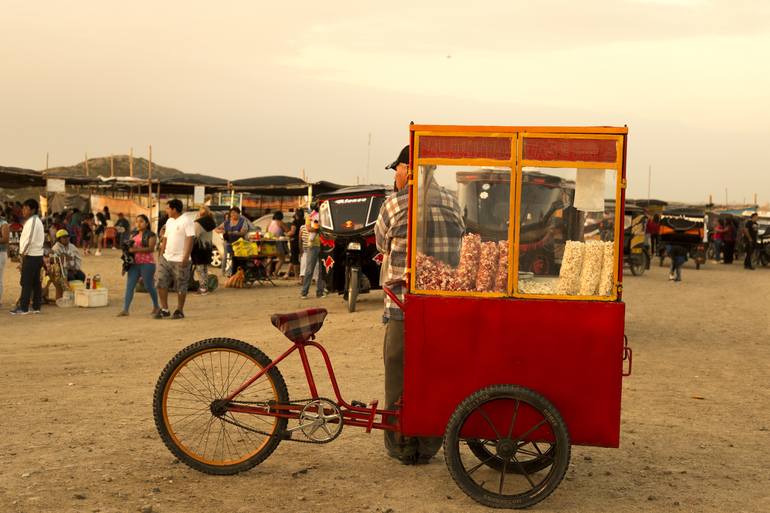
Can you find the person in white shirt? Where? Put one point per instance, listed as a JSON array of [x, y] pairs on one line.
[[4, 239], [174, 266], [31, 253]]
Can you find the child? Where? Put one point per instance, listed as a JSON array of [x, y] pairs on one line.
[[678, 258]]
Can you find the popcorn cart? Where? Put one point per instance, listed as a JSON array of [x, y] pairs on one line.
[[510, 364]]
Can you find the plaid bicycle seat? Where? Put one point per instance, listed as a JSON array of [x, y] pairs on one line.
[[300, 326]]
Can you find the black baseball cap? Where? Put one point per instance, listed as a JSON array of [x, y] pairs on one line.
[[403, 158]]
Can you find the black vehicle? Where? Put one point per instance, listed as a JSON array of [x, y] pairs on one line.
[[684, 227], [636, 249], [348, 248], [546, 213]]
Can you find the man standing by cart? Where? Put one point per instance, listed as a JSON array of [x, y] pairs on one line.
[[443, 242]]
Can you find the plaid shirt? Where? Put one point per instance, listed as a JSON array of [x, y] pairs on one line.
[[442, 236]]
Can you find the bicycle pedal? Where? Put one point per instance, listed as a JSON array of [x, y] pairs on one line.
[[358, 404]]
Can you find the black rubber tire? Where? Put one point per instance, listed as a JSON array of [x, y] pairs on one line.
[[561, 447], [184, 356], [638, 267], [354, 284]]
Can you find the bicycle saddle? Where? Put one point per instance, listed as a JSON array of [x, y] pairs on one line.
[[300, 326]]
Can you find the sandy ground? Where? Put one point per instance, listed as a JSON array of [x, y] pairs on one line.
[[78, 433]]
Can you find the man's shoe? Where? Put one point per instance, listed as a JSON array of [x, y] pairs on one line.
[[162, 314], [303, 296], [178, 314], [35, 312], [18, 311]]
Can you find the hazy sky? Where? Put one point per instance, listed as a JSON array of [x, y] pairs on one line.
[[238, 89]]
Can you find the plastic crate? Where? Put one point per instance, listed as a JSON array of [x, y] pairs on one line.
[[91, 298]]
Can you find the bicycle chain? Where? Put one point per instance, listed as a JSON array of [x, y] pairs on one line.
[[286, 435]]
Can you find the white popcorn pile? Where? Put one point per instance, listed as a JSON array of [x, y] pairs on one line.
[[501, 280], [537, 286], [593, 260], [571, 265], [488, 263], [606, 280], [469, 262]]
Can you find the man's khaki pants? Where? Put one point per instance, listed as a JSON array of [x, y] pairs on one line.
[[416, 448]]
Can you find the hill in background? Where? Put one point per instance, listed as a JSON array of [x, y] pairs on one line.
[[100, 166]]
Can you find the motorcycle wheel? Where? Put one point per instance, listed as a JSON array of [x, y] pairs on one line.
[[354, 280], [638, 265]]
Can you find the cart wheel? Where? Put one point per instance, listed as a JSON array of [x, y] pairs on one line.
[[500, 427], [697, 265], [353, 287], [194, 422]]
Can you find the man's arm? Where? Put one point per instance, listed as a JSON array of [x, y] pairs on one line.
[[162, 234], [189, 231], [188, 244], [78, 258], [25, 240], [381, 229]]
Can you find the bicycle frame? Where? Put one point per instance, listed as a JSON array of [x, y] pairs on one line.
[[352, 415]]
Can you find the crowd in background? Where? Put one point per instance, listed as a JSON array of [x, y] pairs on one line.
[[51, 251]]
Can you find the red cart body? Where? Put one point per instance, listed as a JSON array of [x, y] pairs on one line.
[[455, 346]]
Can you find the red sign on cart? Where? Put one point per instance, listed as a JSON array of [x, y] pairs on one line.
[[579, 150], [459, 147]]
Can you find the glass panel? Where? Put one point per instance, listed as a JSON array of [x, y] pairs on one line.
[[374, 209], [461, 228], [567, 226]]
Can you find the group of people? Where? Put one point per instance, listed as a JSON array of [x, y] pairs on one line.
[[727, 234], [40, 249]]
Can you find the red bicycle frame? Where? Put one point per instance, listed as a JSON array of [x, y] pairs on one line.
[[351, 415]]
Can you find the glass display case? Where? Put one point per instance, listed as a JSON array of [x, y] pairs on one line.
[[519, 212]]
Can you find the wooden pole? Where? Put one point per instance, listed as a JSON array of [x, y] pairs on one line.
[[46, 161], [86, 164], [112, 165], [131, 162], [149, 180]]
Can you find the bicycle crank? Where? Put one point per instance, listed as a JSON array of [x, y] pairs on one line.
[[320, 421]]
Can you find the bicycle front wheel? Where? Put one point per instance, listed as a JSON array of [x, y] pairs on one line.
[[192, 420]]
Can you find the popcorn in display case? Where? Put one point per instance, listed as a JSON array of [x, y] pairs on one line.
[[557, 240]]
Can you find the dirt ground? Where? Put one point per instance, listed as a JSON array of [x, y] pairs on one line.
[[78, 433]]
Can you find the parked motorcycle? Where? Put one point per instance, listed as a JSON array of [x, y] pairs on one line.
[[348, 248]]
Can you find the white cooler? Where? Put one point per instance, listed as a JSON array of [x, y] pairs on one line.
[[91, 298]]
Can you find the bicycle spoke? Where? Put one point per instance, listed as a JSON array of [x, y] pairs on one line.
[[531, 430], [513, 420], [474, 469], [489, 421], [502, 476], [523, 472]]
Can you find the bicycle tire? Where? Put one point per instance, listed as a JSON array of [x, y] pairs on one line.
[[198, 399]]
